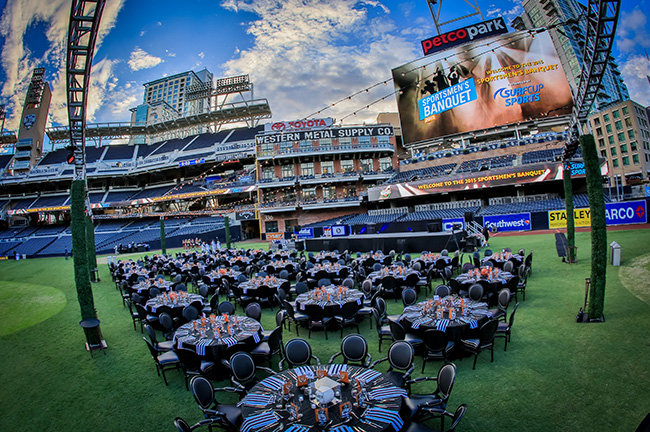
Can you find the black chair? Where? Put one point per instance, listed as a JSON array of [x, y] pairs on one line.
[[164, 362], [269, 347], [475, 292], [456, 418], [348, 316], [524, 272], [504, 329], [400, 358], [409, 297], [263, 295], [135, 316], [399, 333], [244, 372], [508, 266], [154, 292], [485, 340], [503, 300], [254, 310], [383, 330], [437, 346], [183, 426], [442, 291], [388, 287], [225, 307], [317, 318], [166, 325], [192, 364], [467, 267], [190, 313], [354, 350], [297, 318], [416, 406], [229, 417], [160, 346], [297, 352]]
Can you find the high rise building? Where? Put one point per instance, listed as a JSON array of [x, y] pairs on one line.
[[569, 42], [184, 94], [622, 134]]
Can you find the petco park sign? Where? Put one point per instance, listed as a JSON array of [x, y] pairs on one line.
[[455, 37], [298, 125]]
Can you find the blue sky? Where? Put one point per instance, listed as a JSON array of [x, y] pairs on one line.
[[302, 55]]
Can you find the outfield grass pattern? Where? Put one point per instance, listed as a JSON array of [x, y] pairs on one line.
[[556, 375]]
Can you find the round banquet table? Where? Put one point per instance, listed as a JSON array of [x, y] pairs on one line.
[[209, 337], [501, 258], [265, 408], [491, 284], [333, 270], [144, 287], [421, 317], [335, 301], [250, 286], [183, 299], [399, 273]]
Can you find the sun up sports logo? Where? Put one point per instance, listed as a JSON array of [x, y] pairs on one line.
[[520, 95], [298, 125]]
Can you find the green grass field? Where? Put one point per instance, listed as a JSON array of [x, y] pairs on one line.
[[556, 375]]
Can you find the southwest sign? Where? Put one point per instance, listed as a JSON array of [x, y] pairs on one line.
[[510, 222], [456, 37]]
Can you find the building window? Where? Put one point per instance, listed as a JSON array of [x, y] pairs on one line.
[[628, 122], [635, 158], [305, 145], [309, 194], [350, 191], [345, 141], [286, 145], [364, 140], [288, 171], [603, 153], [386, 163], [307, 169], [599, 131], [268, 172], [633, 146], [625, 111], [621, 137], [271, 226], [624, 148], [619, 125], [610, 139], [347, 165], [366, 165], [616, 114], [630, 133], [325, 142], [290, 195], [613, 151], [597, 121], [606, 117], [609, 128], [266, 147], [327, 167], [601, 142], [329, 192], [626, 160], [615, 163]]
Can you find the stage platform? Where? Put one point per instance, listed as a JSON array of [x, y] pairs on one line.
[[406, 242]]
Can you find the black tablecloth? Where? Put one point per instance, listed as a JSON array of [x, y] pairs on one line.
[[265, 406], [335, 302], [211, 338], [182, 299]]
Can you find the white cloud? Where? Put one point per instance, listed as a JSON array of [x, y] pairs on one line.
[[632, 32], [635, 71], [508, 14], [140, 59], [308, 54], [18, 63], [201, 55]]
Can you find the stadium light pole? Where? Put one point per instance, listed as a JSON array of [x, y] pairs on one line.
[[83, 28]]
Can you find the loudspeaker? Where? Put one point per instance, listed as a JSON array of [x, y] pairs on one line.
[[469, 217], [371, 229], [435, 226]]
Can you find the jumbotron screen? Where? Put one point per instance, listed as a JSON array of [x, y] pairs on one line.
[[491, 82]]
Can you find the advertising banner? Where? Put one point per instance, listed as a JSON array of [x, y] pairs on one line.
[[245, 215], [327, 231], [482, 84], [274, 236], [629, 212], [334, 133], [522, 174], [448, 224], [298, 125], [306, 233], [510, 222], [339, 230], [557, 218]]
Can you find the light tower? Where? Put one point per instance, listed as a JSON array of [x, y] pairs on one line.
[[435, 6]]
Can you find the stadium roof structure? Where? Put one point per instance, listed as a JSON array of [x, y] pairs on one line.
[[251, 110]]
